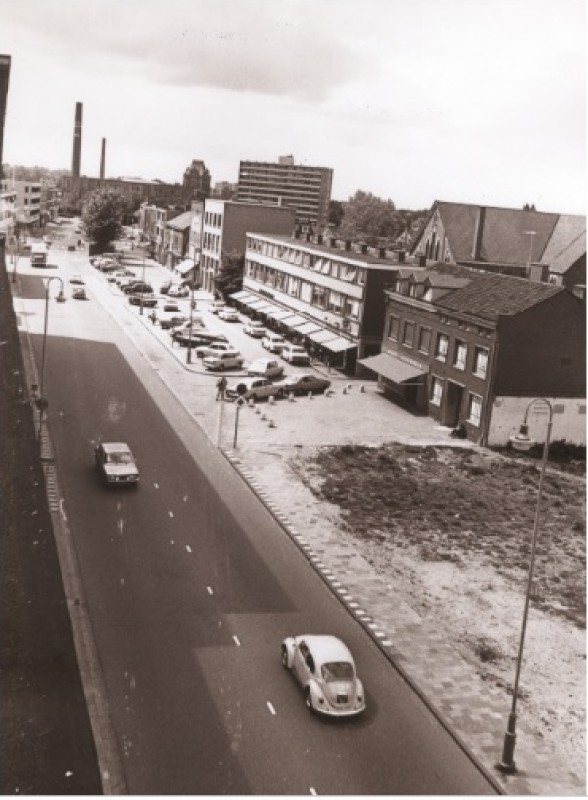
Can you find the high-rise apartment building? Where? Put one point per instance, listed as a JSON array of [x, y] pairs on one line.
[[305, 189], [4, 78]]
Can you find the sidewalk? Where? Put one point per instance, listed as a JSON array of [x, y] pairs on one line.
[[473, 711]]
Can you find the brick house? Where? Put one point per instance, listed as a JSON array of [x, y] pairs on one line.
[[474, 348]]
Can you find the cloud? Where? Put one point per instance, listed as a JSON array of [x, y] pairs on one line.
[[278, 48]]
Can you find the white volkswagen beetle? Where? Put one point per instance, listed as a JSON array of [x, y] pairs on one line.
[[325, 669]]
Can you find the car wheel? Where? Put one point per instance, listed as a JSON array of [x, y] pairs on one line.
[[284, 656]]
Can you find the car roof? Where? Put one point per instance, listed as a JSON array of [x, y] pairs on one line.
[[264, 361], [116, 447], [327, 648]]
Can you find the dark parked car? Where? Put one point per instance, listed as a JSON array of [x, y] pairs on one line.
[[144, 299], [137, 286], [198, 337], [302, 383]]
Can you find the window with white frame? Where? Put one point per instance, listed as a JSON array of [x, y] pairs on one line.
[[480, 362], [361, 277], [326, 267], [306, 292], [351, 308], [442, 347], [281, 281], [319, 296], [474, 409], [335, 303], [348, 273], [293, 286], [436, 391], [460, 354]]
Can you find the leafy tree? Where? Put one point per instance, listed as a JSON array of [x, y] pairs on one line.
[[336, 211], [230, 277], [102, 215], [368, 218]]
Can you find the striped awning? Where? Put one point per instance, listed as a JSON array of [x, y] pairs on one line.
[[239, 295], [322, 336], [339, 344], [279, 314], [293, 320], [308, 327]]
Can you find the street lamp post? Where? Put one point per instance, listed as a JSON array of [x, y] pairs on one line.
[[42, 401], [522, 441], [189, 352], [142, 290]]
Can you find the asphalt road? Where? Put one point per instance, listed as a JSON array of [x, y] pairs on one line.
[[191, 586]]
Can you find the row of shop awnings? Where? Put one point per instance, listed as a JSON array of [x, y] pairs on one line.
[[297, 324]]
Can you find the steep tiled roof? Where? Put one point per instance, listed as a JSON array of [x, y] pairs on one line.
[[567, 243], [505, 236], [489, 295]]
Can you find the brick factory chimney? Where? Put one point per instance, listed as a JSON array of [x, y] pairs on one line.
[[77, 142], [102, 159]]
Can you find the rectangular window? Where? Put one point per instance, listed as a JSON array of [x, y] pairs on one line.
[[408, 334], [319, 296], [281, 281], [326, 267], [474, 409], [442, 347], [393, 327], [306, 292], [351, 308], [460, 355], [348, 273], [335, 303], [361, 277], [293, 286], [306, 260], [436, 391], [425, 340], [480, 362]]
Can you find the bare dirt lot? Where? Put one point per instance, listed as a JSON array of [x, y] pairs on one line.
[[453, 528]]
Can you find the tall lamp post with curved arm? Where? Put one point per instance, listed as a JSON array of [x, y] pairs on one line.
[[42, 400], [523, 442]]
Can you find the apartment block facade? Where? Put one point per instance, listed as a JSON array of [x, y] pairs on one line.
[[329, 296], [472, 349], [225, 225], [305, 189]]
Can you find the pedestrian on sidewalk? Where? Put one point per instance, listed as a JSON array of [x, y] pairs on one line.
[[153, 317], [221, 385]]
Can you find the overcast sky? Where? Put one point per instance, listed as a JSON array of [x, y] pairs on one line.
[[479, 101]]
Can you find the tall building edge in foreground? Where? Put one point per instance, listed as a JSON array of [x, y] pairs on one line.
[[4, 79], [305, 189]]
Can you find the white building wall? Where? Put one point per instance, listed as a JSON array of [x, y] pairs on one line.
[[569, 419]]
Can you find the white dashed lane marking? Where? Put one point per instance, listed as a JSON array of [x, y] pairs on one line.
[[237, 642], [272, 710], [209, 590], [188, 548]]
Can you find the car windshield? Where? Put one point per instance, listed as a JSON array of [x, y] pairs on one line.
[[337, 671], [119, 457]]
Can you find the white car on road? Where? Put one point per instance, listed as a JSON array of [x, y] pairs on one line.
[[324, 667]]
